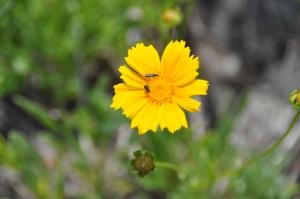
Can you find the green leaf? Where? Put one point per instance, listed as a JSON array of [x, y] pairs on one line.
[[36, 111]]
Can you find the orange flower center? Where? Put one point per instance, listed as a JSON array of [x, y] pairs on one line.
[[160, 89]]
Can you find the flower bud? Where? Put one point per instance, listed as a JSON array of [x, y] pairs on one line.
[[172, 17], [143, 162], [295, 99]]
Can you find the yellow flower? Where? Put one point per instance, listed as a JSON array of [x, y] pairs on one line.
[[155, 91]]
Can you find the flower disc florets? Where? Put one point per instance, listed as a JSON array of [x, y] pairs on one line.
[[160, 90]]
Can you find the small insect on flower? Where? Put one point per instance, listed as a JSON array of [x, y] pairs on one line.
[[151, 75], [155, 91], [147, 89]]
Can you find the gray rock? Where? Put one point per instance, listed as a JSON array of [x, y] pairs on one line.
[[269, 113]]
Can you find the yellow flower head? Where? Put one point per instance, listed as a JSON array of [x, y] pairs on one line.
[[155, 91]]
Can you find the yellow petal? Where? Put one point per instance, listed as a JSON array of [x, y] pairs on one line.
[[186, 79], [124, 87], [159, 115], [143, 59], [182, 63], [126, 96], [151, 120], [143, 120], [197, 87], [187, 72], [133, 109], [131, 78], [171, 56], [181, 116], [174, 117], [163, 117], [188, 104]]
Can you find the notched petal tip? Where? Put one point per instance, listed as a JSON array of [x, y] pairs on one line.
[[173, 131], [205, 84], [188, 103], [114, 106], [180, 42], [140, 44], [142, 131], [136, 45], [143, 59]]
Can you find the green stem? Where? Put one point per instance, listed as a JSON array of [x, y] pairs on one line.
[[167, 165], [174, 167], [273, 147], [263, 154]]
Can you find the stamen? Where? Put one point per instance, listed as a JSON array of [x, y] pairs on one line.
[[161, 89]]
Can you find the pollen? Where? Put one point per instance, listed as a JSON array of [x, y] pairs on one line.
[[161, 90]]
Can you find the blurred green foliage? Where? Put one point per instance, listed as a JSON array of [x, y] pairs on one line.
[[48, 51], [44, 41], [68, 165]]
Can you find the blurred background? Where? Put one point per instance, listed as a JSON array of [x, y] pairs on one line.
[[58, 64]]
